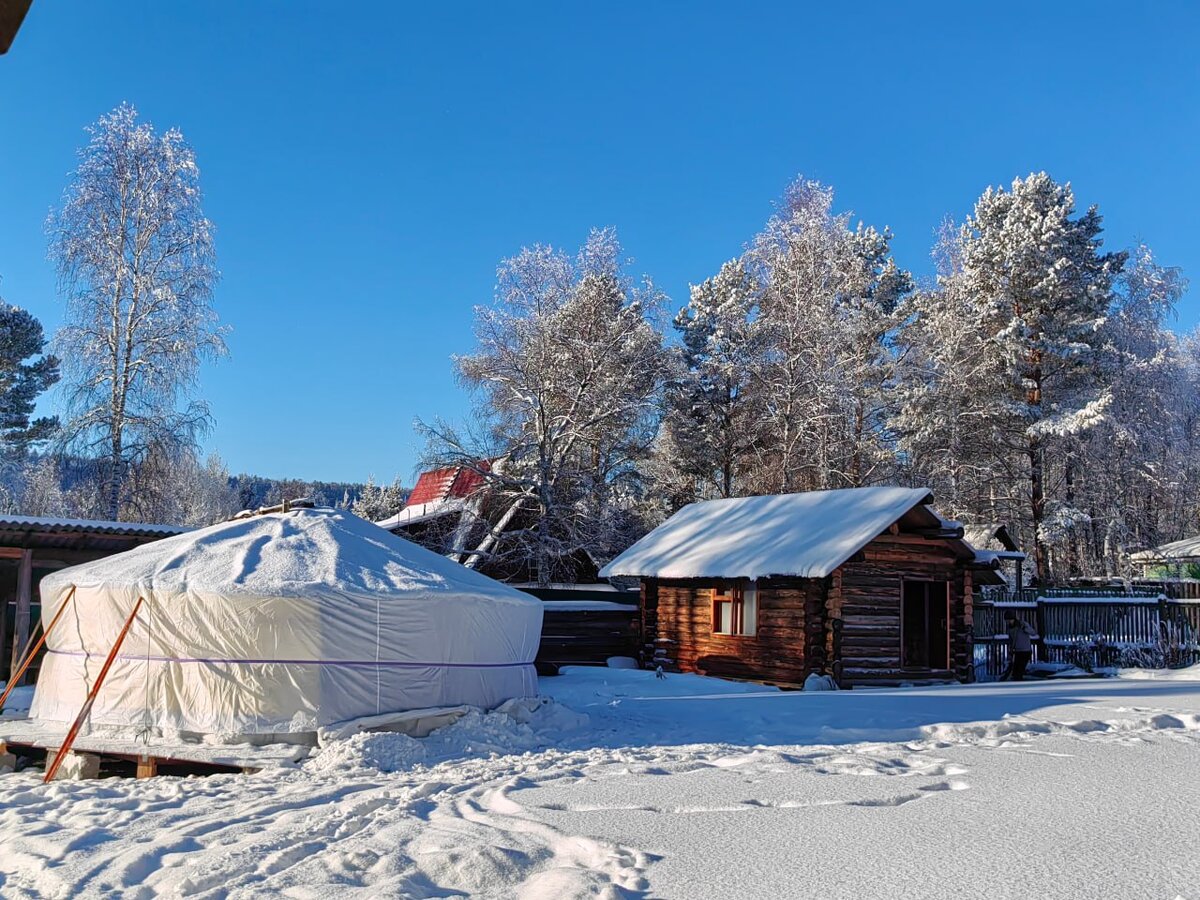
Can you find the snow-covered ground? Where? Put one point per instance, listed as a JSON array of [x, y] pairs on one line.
[[624, 785]]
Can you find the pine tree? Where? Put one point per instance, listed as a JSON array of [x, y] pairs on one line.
[[26, 372], [713, 406], [376, 502], [1039, 291]]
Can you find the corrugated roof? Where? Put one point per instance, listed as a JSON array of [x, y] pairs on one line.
[[445, 484], [86, 526], [806, 535]]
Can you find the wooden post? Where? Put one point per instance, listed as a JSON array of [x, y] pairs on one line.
[[21, 620], [147, 767]]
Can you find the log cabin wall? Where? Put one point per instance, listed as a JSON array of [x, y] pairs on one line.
[[865, 625], [789, 641]]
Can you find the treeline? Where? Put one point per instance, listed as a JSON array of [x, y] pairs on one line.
[[1035, 381], [184, 491]]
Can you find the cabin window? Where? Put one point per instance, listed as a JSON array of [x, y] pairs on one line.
[[735, 608]]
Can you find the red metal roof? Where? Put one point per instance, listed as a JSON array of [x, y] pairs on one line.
[[443, 484]]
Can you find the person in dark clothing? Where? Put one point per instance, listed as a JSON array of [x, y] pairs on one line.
[[1020, 646]]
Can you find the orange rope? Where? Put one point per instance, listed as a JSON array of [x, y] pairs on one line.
[[91, 698]]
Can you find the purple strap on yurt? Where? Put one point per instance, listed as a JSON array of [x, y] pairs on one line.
[[395, 664]]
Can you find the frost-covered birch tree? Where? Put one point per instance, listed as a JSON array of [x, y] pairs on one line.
[[135, 259], [827, 308], [1137, 486], [566, 376]]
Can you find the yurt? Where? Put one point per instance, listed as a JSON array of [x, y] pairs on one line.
[[279, 624]]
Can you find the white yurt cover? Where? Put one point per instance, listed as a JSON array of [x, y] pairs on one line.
[[282, 623]]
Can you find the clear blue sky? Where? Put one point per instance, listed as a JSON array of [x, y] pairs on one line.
[[368, 165]]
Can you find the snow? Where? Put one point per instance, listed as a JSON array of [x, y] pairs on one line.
[[302, 552], [992, 557], [1183, 551], [806, 535], [422, 512], [619, 784], [1110, 599]]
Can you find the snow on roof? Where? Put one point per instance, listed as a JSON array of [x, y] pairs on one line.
[[1187, 550], [422, 512], [299, 553], [993, 557], [85, 526], [990, 537], [806, 535]]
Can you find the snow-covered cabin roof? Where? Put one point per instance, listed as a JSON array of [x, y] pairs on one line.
[[805, 535], [1184, 551]]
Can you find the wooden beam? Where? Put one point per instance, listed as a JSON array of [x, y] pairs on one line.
[[12, 13], [24, 602], [11, 552], [147, 767]]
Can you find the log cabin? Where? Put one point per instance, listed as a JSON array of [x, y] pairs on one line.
[[869, 585]]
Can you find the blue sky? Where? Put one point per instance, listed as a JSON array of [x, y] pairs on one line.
[[367, 166]]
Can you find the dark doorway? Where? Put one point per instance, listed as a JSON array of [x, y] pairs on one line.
[[924, 625]]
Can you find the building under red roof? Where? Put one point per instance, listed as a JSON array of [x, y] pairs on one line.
[[452, 482]]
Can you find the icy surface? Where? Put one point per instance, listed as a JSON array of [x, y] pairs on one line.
[[806, 535], [618, 784]]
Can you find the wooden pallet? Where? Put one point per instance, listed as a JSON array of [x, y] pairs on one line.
[[123, 755]]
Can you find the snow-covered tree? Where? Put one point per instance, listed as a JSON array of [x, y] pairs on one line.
[[135, 258], [713, 406], [827, 308], [566, 375], [42, 492], [377, 502], [1137, 482], [944, 408], [172, 486], [1041, 290]]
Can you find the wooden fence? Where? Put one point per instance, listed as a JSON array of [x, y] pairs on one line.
[[1092, 631]]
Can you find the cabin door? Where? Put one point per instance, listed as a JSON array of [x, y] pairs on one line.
[[925, 625]]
